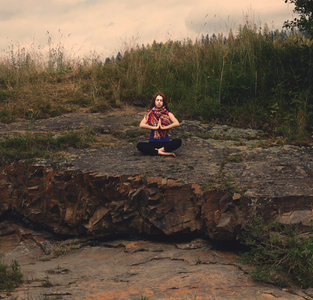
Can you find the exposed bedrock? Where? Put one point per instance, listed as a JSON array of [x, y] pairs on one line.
[[71, 202], [220, 179]]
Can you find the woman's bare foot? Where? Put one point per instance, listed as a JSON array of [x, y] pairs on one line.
[[161, 151]]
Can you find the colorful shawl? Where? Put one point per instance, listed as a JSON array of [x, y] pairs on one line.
[[153, 117]]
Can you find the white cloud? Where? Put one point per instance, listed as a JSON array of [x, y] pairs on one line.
[[67, 2], [104, 26], [224, 15]]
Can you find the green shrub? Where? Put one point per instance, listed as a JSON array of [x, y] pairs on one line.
[[10, 276], [278, 254]]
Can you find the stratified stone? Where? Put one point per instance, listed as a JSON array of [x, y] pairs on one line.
[[212, 188]]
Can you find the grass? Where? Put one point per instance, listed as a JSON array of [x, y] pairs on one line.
[[256, 78], [31, 146], [47, 283], [223, 180], [278, 254], [10, 276]]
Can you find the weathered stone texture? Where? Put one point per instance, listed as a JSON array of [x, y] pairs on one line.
[[219, 180], [71, 202]]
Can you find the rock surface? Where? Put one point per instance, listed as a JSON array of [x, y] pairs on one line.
[[129, 269], [219, 180]]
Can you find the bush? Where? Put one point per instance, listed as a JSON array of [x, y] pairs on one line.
[[10, 276], [277, 254]]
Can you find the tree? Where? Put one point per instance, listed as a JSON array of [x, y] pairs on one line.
[[305, 20]]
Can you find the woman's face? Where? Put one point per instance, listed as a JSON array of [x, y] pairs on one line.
[[159, 102]]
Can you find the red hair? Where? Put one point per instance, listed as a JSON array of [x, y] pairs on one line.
[[152, 103]]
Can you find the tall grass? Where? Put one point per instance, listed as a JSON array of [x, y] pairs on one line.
[[278, 254], [257, 78]]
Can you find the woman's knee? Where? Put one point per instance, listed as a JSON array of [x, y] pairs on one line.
[[176, 143], [140, 146], [173, 145], [146, 148]]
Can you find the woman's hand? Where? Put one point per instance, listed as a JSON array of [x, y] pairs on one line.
[[144, 124], [159, 124], [174, 123]]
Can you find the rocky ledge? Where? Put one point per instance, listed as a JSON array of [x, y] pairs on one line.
[[220, 179]]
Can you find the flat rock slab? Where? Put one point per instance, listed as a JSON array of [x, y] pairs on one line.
[[131, 269], [208, 153], [279, 171], [100, 122]]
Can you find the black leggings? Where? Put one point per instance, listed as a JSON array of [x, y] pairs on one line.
[[149, 147]]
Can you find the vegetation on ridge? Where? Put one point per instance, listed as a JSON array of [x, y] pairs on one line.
[[258, 78]]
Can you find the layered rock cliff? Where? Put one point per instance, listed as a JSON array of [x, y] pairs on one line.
[[219, 180]]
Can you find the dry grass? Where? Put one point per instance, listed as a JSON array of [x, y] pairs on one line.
[[230, 79]]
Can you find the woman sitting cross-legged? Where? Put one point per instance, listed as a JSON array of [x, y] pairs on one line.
[[159, 120]]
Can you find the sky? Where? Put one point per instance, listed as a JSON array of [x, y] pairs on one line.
[[105, 27]]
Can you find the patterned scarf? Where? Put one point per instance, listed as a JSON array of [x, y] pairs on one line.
[[153, 116]]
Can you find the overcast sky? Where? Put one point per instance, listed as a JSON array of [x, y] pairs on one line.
[[109, 26]]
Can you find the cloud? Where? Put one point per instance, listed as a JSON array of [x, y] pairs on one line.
[[222, 16], [68, 2], [6, 15], [108, 26]]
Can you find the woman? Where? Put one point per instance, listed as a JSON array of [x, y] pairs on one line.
[[159, 119]]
